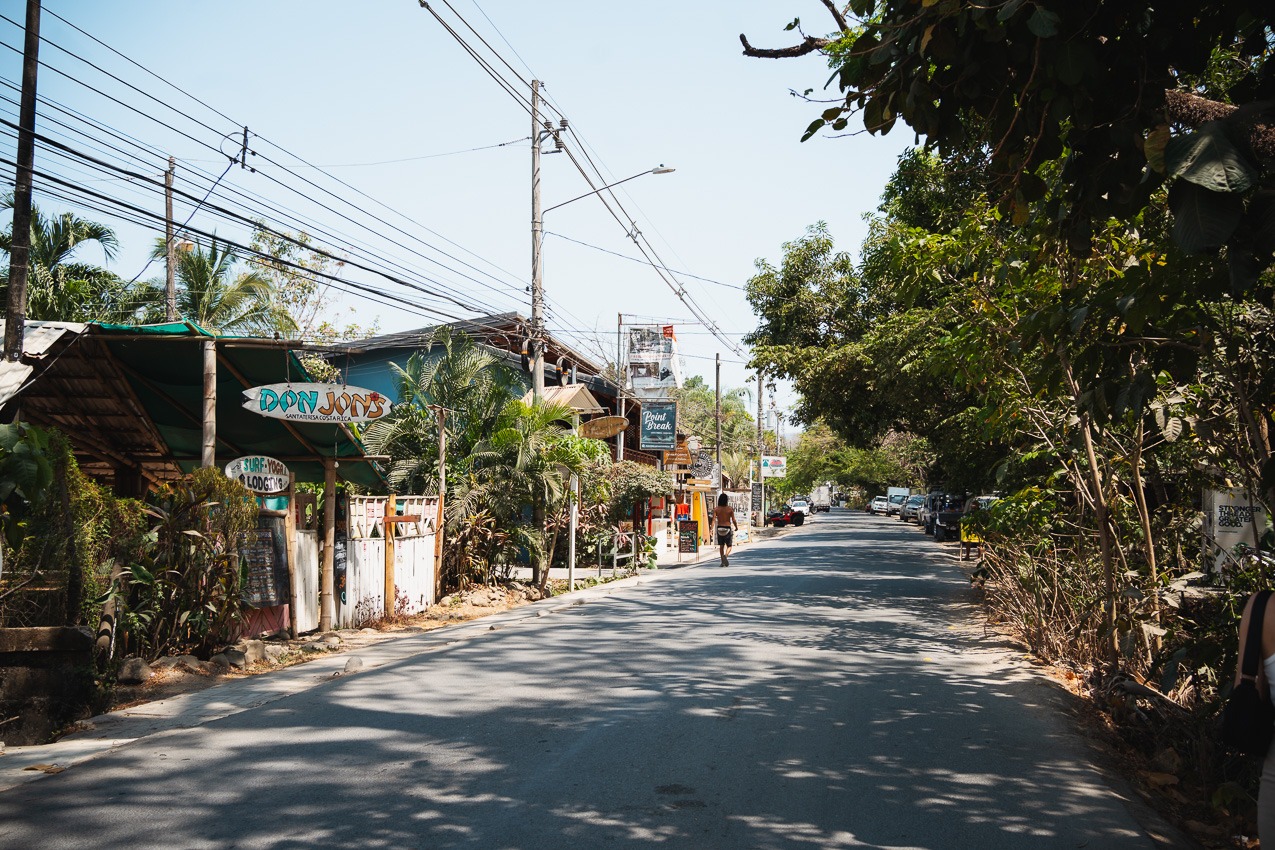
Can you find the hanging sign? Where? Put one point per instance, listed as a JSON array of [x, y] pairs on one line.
[[604, 427], [259, 474], [680, 456], [659, 426], [773, 467], [316, 402]]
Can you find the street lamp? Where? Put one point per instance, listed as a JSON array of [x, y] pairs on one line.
[[537, 264]]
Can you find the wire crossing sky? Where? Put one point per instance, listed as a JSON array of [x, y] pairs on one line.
[[402, 149]]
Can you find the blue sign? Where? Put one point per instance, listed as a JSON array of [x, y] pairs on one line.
[[658, 430]]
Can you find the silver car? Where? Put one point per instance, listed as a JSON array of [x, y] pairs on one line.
[[910, 509]]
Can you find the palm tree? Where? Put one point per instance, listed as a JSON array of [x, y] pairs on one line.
[[58, 287], [213, 296], [453, 372]]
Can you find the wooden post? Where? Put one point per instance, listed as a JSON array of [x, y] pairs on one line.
[[440, 523], [391, 509], [290, 551], [208, 457], [327, 607], [20, 247]]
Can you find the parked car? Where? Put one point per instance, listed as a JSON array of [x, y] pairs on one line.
[[908, 512], [947, 520], [801, 505], [879, 505], [785, 516], [928, 510], [896, 501]]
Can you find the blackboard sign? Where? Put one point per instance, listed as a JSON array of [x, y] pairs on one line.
[[688, 536], [757, 496], [340, 563], [266, 551]]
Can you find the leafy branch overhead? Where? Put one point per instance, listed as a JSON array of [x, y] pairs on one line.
[[1125, 97]]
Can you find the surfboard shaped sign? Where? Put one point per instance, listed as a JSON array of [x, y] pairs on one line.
[[259, 473], [316, 402]]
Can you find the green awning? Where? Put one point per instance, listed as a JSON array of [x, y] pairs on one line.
[[108, 378]]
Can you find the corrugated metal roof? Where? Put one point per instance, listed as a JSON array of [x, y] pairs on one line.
[[37, 339]]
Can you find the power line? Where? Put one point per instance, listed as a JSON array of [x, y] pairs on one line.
[[644, 262]]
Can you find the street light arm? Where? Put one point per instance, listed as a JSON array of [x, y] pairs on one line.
[[660, 170]]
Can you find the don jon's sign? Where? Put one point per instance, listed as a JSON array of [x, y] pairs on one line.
[[659, 426], [259, 473], [316, 402]]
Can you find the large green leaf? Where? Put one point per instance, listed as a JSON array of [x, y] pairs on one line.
[[1208, 159], [1203, 220]]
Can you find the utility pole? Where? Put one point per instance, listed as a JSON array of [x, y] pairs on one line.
[[170, 272], [20, 248], [720, 476], [440, 524], [619, 383], [761, 450], [537, 240]]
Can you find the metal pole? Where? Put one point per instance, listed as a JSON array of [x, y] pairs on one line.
[[20, 247], [170, 271], [761, 450], [574, 523], [537, 265]]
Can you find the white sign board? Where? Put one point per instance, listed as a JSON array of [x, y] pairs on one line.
[[316, 402], [1232, 518], [259, 473], [773, 467], [653, 368]]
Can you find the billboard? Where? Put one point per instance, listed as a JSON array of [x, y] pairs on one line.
[[658, 429], [653, 367], [773, 467]]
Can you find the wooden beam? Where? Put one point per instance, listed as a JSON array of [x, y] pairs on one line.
[[327, 601]]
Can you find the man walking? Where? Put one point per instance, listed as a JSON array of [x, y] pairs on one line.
[[727, 525]]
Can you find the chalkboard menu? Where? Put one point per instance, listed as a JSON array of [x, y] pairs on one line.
[[340, 564], [266, 551], [757, 496], [688, 536]]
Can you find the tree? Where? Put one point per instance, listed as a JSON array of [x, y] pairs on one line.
[[697, 414], [1113, 90], [59, 288], [213, 295]]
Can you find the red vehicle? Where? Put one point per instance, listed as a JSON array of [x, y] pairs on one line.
[[785, 516]]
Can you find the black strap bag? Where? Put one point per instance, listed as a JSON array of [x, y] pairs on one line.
[[1248, 720]]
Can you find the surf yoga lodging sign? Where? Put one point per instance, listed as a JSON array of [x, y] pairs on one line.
[[316, 402], [259, 473]]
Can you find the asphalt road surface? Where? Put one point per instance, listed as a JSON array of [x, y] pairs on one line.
[[831, 689]]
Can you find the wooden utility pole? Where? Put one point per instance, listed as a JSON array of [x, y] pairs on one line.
[[537, 264], [20, 248], [170, 272], [327, 607]]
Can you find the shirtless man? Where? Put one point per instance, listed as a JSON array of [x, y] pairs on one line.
[[727, 525]]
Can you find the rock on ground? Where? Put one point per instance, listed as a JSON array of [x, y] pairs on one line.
[[134, 671]]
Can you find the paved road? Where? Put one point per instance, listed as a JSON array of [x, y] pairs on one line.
[[830, 689]]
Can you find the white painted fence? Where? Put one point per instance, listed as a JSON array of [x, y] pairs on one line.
[[414, 568]]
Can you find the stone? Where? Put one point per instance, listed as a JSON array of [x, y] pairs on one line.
[[188, 661], [237, 659], [353, 664], [447, 600], [275, 651], [254, 651], [329, 636], [480, 601], [314, 648], [331, 640], [134, 671], [168, 662], [367, 631], [220, 660]]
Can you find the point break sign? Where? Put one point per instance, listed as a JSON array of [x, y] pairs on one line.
[[259, 474], [316, 402]]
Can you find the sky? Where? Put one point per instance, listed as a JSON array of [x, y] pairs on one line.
[[385, 100]]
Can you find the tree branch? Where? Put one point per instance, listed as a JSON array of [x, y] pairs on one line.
[[1192, 110], [809, 45], [836, 15]]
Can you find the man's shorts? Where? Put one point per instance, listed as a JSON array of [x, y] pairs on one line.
[[725, 535]]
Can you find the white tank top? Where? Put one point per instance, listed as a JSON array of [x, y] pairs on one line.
[[1268, 666]]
